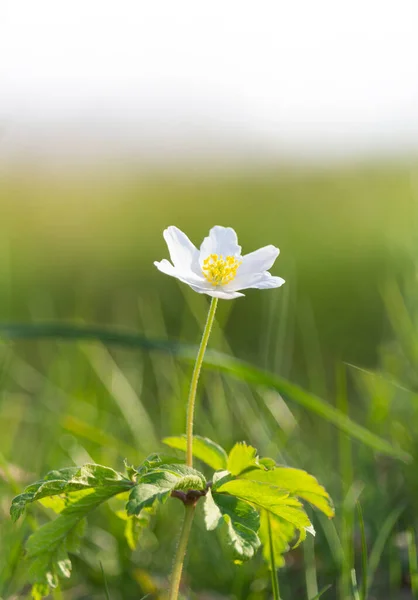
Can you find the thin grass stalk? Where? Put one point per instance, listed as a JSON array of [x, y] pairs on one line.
[[106, 588], [356, 594], [395, 570], [310, 568], [346, 471], [364, 561], [413, 562], [273, 567], [385, 531], [322, 592], [223, 363]]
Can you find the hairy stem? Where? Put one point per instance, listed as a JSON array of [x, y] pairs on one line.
[[181, 552], [273, 568], [195, 378], [190, 506]]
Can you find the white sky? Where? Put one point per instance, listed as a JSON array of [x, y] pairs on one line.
[[311, 75]]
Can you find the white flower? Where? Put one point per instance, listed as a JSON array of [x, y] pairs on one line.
[[218, 269]]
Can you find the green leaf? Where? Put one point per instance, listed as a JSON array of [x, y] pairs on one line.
[[133, 524], [48, 548], [297, 483], [267, 463], [133, 528], [242, 522], [185, 478], [154, 461], [283, 533], [278, 502], [145, 494], [285, 536], [39, 591], [73, 493], [67, 480], [131, 472], [215, 360], [157, 485], [204, 449], [242, 457]]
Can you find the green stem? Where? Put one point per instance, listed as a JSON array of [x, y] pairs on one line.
[[195, 378], [181, 552], [273, 568], [190, 508]]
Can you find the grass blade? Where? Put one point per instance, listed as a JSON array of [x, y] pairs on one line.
[[322, 592], [413, 562], [346, 474], [356, 595], [215, 360], [106, 588], [380, 542], [273, 568], [363, 552]]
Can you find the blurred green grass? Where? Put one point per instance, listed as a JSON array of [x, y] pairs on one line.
[[81, 249]]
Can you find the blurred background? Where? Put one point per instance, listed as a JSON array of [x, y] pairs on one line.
[[296, 124]]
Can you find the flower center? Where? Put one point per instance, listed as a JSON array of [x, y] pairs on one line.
[[219, 270]]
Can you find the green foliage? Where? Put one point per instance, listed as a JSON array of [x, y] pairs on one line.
[[66, 397], [49, 547], [133, 528], [73, 493], [241, 458], [154, 461], [283, 532], [297, 482], [242, 522], [157, 484], [270, 497], [134, 525], [204, 449], [275, 491], [39, 591], [244, 490], [68, 480]]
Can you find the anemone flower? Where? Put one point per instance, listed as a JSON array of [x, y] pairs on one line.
[[218, 269]]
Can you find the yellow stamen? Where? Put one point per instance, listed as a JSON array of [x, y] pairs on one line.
[[219, 270]]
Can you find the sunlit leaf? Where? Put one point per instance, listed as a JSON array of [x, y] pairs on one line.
[[283, 533], [68, 480], [241, 457], [241, 519], [48, 548], [133, 528], [297, 483], [270, 497], [204, 449]]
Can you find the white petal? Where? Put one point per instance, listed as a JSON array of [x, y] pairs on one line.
[[182, 252], [267, 282], [221, 240], [216, 292], [258, 261], [187, 276], [253, 268]]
